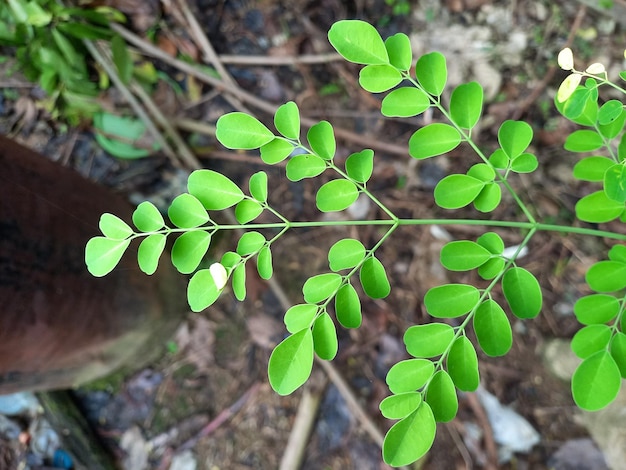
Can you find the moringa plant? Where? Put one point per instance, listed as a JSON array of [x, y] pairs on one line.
[[443, 359]]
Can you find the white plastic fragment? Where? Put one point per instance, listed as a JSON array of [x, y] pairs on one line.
[[219, 275], [440, 233], [510, 430], [509, 252]]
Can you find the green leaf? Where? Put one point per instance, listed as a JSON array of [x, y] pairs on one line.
[[374, 279], [491, 268], [401, 405], [264, 263], [299, 317], [230, 260], [336, 195], [456, 191], [492, 242], [321, 287], [275, 151], [466, 104], [597, 207], [522, 292], [432, 73], [189, 249], [409, 375], [84, 31], [214, 190], [463, 255], [247, 210], [610, 111], [114, 132], [482, 171], [287, 120], [345, 254], [379, 78], [583, 140], [615, 183], [399, 50], [618, 253], [250, 242], [451, 300], [102, 254], [462, 364], [147, 217], [241, 131], [202, 291], [607, 276], [499, 159], [596, 309], [258, 186], [348, 307], [568, 86], [291, 362], [492, 329], [325, 337], [591, 339], [405, 102], [305, 166], [69, 52], [432, 140], [429, 340], [613, 128], [410, 438], [514, 137], [360, 165], [441, 396], [618, 352], [358, 42], [321, 138], [581, 107], [36, 15], [596, 382], [113, 227], [149, 252], [186, 211], [488, 198], [238, 280], [524, 163], [121, 58]]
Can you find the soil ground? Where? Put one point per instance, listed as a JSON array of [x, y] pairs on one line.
[[218, 358]]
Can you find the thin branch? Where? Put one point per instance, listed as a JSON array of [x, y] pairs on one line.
[[269, 60]]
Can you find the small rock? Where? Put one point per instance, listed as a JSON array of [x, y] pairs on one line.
[[578, 454], [184, 461]]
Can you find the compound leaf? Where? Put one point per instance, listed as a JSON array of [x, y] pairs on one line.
[[433, 139], [189, 249], [451, 300], [149, 252], [463, 255], [596, 381], [325, 337], [113, 227], [400, 405], [409, 375], [336, 195], [405, 102], [432, 73], [291, 362], [358, 42], [429, 340], [492, 329], [522, 292], [214, 190], [379, 78], [241, 131], [322, 140], [410, 438], [147, 217], [348, 307], [186, 211], [466, 104], [462, 365], [374, 279], [321, 287], [287, 120], [441, 396], [345, 254], [456, 191], [102, 254]]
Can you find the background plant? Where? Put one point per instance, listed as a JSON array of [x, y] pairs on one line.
[[443, 359]]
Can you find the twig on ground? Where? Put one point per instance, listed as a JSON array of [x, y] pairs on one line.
[[270, 60], [460, 445], [481, 416]]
